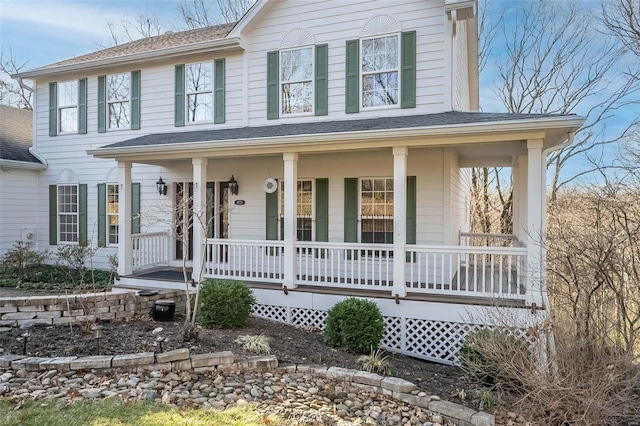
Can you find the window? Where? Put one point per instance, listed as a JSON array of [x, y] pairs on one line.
[[118, 100], [68, 213], [296, 80], [199, 92], [376, 211], [379, 68], [304, 212], [112, 213], [68, 106]]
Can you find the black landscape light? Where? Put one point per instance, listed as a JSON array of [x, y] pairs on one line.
[[98, 330], [157, 333], [26, 327]]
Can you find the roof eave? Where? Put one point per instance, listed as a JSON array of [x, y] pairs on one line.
[[571, 124], [223, 44], [25, 165]]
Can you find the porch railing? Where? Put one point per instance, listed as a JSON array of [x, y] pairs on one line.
[[345, 265], [251, 260], [478, 239], [150, 249], [467, 271]]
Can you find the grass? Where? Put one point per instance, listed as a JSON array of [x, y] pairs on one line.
[[109, 412]]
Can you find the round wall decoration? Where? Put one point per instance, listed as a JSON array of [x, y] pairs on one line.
[[270, 185]]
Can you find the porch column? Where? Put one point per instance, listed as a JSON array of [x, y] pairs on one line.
[[534, 220], [521, 189], [290, 214], [399, 219], [199, 216], [125, 245]]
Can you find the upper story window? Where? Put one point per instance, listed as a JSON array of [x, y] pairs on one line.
[[118, 100], [199, 91], [380, 63], [296, 80], [67, 100]]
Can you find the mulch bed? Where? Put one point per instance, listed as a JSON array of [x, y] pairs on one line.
[[291, 345]]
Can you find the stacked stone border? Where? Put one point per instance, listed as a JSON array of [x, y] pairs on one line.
[[224, 362], [88, 307]]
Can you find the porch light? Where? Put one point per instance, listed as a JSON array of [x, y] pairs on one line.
[[233, 185], [161, 187]]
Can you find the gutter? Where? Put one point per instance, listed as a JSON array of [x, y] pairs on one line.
[[38, 157], [12, 164], [153, 55], [319, 138]]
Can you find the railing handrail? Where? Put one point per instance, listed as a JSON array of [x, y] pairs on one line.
[[485, 234], [357, 246], [468, 249], [271, 243], [150, 234]]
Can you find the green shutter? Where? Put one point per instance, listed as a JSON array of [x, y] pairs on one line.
[[102, 215], [82, 214], [82, 106], [273, 81], [136, 89], [351, 210], [272, 216], [352, 82], [411, 211], [53, 109], [219, 88], [53, 214], [408, 70], [178, 106], [322, 80], [135, 208], [322, 209], [102, 104]]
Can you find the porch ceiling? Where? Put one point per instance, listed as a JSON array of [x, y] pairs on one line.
[[460, 129]]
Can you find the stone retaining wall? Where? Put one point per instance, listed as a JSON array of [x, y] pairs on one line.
[[180, 360], [88, 307]]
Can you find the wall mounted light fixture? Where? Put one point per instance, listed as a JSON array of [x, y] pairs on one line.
[[161, 187], [234, 187]]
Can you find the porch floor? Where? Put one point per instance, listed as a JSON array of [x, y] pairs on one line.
[[175, 276]]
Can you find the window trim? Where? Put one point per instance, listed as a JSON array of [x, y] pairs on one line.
[[360, 204], [281, 212], [76, 214], [60, 107], [312, 80], [108, 242], [361, 73], [108, 102], [212, 91]]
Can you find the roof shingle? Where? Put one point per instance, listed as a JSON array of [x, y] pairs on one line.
[[15, 134]]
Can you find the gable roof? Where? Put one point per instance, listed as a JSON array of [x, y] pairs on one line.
[[156, 46], [15, 135], [445, 122]]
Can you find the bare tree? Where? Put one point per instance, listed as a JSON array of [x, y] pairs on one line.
[[233, 10], [622, 18], [552, 62], [146, 24], [13, 93]]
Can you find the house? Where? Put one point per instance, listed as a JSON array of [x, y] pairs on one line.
[[20, 170], [315, 150]]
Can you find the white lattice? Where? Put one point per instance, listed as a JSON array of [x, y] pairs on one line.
[[392, 333], [276, 313], [438, 340], [308, 318]]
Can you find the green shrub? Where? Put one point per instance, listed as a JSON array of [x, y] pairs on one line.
[[355, 325], [224, 304], [484, 352]]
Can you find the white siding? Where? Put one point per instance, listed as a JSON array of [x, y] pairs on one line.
[[334, 22], [18, 206], [460, 68], [460, 197]]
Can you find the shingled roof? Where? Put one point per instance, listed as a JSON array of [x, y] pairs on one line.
[[148, 44], [15, 134]]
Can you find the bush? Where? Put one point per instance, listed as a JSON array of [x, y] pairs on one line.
[[20, 259], [354, 324], [482, 351], [224, 304]]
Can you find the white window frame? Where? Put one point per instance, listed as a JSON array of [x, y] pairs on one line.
[[199, 92], [360, 215], [109, 215], [110, 102], [311, 80], [61, 106], [281, 206], [362, 73], [60, 214]]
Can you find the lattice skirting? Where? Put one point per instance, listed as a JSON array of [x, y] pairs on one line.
[[437, 341]]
